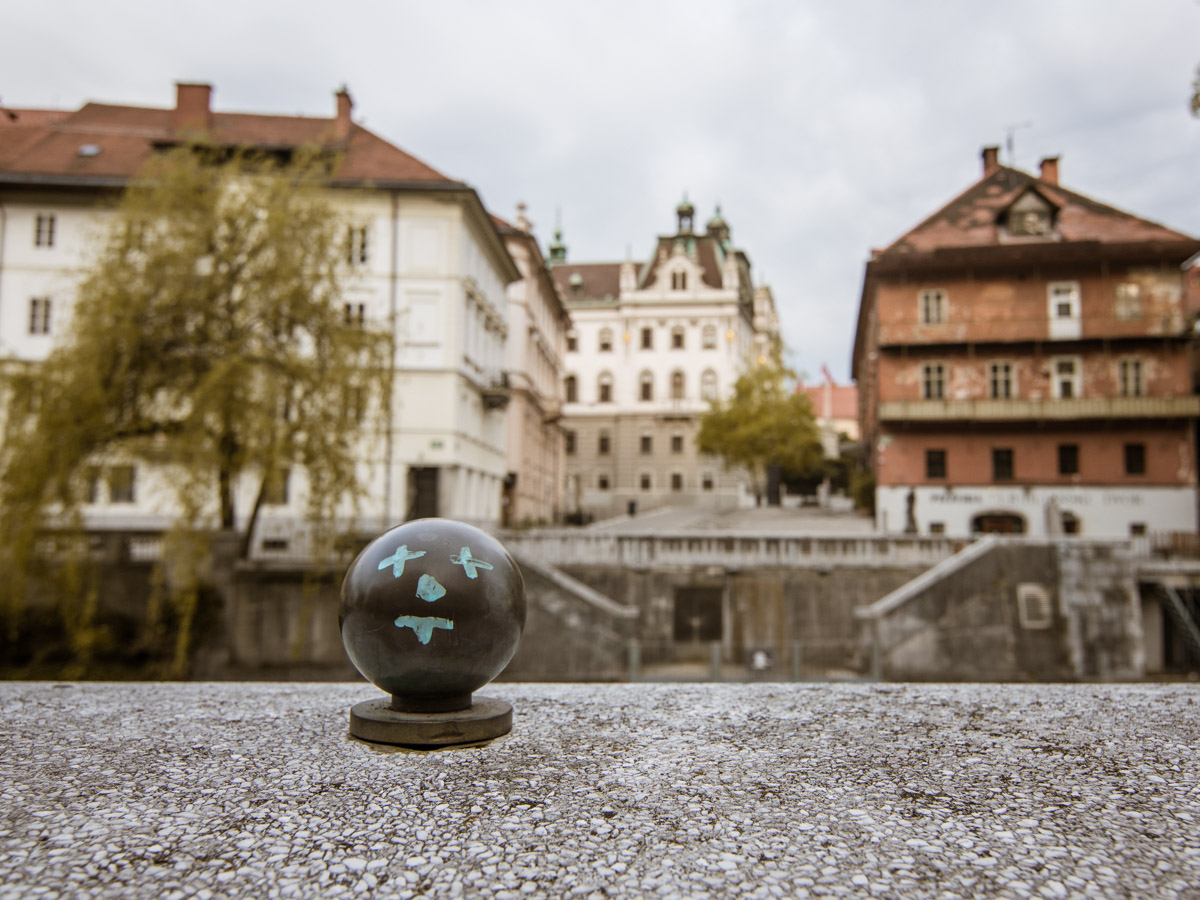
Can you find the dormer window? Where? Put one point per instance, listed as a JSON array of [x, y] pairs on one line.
[[679, 281], [1030, 216]]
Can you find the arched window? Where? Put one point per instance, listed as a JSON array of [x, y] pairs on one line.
[[708, 385], [677, 385], [572, 387], [604, 387], [606, 340], [646, 386]]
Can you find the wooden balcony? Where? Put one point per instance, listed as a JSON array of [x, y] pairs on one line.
[[1075, 409]]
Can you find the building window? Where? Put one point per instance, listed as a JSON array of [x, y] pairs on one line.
[[1129, 378], [569, 442], [933, 381], [646, 386], [677, 443], [706, 481], [647, 444], [356, 245], [645, 481], [605, 340], [679, 281], [571, 384], [1064, 309], [708, 337], [647, 338], [122, 483], [43, 230], [1070, 523], [1135, 459], [1127, 301], [937, 527], [1000, 380], [708, 385], [1068, 459], [676, 481], [1137, 529], [572, 342], [1066, 378], [1002, 464], [354, 313], [933, 307], [935, 463], [602, 482], [677, 337], [39, 315], [602, 444], [604, 387], [677, 385]]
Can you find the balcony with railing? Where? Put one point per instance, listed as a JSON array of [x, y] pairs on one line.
[[1017, 410]]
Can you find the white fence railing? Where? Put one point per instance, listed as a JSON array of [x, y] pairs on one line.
[[730, 551]]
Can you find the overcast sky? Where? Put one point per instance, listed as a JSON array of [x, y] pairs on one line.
[[823, 129]]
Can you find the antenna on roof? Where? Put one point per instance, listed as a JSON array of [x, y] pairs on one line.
[[1010, 143]]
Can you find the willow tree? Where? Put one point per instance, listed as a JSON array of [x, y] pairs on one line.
[[764, 422], [208, 341]]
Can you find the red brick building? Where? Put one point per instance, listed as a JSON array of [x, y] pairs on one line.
[[1022, 357]]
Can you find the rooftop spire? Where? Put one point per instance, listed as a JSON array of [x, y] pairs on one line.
[[557, 249]]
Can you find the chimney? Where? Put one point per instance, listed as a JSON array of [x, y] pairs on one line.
[[991, 160], [192, 111], [1050, 170], [345, 106]]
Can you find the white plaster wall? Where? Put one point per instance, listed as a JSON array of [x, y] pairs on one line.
[[1102, 512]]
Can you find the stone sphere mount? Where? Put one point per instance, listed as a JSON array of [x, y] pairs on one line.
[[430, 612]]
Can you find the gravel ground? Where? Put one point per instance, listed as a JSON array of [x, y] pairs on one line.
[[762, 790]]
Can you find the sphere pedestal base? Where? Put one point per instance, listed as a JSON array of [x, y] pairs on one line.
[[376, 721]]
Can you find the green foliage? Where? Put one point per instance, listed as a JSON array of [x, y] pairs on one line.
[[765, 422], [208, 340], [862, 490]]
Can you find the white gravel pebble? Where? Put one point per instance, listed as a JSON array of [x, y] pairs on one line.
[[759, 790]]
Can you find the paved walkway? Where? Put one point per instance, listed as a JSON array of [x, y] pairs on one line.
[[766, 790]]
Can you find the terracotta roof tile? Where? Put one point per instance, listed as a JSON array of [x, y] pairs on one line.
[[125, 136], [970, 219]]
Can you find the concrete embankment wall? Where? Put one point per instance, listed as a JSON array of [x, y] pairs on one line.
[[1013, 610]]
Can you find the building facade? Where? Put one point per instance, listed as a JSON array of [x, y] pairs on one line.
[[650, 345], [1022, 358], [537, 329], [426, 261]]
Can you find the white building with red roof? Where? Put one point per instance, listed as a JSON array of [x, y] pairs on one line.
[[430, 262]]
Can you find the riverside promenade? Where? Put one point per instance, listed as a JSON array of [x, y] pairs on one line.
[[721, 790]]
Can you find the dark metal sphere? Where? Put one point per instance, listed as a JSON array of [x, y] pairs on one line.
[[431, 611]]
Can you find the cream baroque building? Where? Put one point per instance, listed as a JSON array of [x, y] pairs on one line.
[[426, 260], [650, 345]]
